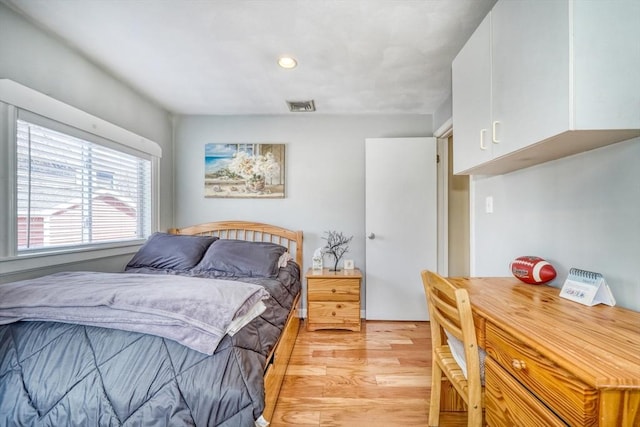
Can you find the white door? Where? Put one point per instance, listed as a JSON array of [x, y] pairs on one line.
[[401, 225]]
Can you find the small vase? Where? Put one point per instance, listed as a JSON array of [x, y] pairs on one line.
[[255, 185]]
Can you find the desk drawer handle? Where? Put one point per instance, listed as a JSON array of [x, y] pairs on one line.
[[518, 365], [333, 313], [333, 291]]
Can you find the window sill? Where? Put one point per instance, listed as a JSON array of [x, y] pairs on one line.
[[36, 261]]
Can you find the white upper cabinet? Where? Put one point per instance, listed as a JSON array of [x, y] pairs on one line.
[[540, 80], [606, 59], [471, 74], [530, 72]]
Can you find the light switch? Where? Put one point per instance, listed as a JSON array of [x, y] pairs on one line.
[[488, 208]]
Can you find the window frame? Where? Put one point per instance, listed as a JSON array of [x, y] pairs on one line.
[[16, 100], [91, 145]]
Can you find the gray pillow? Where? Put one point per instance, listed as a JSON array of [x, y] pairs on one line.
[[242, 258], [164, 251]]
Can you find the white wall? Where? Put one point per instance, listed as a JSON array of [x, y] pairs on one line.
[[582, 211], [42, 62], [442, 116], [324, 176]]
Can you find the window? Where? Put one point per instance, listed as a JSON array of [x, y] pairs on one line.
[[74, 191], [73, 187]]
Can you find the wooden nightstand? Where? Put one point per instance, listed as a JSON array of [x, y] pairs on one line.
[[333, 299]]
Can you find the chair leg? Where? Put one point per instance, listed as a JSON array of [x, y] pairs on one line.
[[475, 415], [434, 401]]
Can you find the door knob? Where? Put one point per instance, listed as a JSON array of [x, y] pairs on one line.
[[371, 236]]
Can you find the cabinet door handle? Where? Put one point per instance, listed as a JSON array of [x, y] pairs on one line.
[[494, 131], [518, 365], [482, 132]]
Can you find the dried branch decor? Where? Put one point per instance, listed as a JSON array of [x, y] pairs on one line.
[[337, 246]]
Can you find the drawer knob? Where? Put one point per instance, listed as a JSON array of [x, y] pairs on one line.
[[333, 291], [338, 306], [333, 313], [518, 365]]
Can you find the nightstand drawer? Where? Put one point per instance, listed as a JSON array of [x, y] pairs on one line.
[[333, 299], [334, 313], [333, 289], [574, 401]]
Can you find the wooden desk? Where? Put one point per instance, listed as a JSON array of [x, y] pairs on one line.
[[552, 361]]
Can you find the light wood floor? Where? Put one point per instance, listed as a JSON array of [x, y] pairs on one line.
[[377, 377]]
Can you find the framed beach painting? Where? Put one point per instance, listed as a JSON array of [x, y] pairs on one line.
[[244, 170]]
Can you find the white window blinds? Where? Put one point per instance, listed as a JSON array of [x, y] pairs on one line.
[[72, 191]]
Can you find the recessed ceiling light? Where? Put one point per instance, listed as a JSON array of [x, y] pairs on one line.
[[287, 62]]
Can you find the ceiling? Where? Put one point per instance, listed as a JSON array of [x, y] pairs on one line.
[[220, 56]]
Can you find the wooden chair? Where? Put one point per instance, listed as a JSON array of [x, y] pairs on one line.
[[450, 311]]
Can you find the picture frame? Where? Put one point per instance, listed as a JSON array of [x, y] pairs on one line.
[[244, 170]]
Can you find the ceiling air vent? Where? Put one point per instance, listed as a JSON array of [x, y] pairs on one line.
[[301, 106]]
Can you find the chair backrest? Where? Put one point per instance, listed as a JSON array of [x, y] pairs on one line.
[[450, 311]]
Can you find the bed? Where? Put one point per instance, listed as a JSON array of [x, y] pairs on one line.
[[154, 357]]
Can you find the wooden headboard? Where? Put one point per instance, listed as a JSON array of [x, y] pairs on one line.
[[250, 231]]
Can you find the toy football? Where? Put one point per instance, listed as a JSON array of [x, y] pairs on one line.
[[533, 270]]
